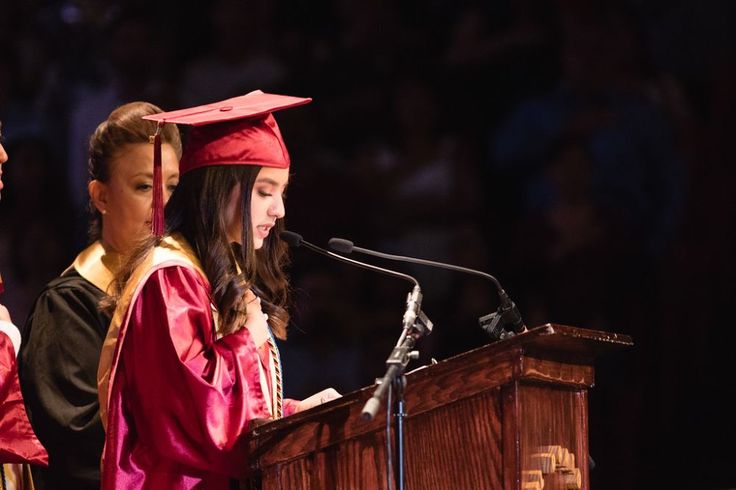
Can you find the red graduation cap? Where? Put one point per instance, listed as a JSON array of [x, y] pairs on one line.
[[236, 131]]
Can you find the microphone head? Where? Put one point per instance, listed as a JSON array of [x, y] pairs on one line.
[[291, 238], [340, 245]]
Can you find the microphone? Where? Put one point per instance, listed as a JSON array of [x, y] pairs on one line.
[[507, 313], [413, 316], [415, 323], [295, 240]]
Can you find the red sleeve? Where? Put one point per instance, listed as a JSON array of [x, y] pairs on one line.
[[192, 397], [18, 443]]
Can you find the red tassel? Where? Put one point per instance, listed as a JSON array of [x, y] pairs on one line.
[[157, 220]]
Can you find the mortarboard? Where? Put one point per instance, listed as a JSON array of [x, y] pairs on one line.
[[236, 131]]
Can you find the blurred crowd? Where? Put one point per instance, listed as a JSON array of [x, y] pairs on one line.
[[581, 151]]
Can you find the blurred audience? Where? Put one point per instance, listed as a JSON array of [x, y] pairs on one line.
[[242, 54], [579, 150]]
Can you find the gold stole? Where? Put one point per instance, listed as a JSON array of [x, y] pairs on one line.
[[97, 266], [274, 398]]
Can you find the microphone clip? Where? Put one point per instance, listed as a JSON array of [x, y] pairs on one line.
[[423, 325], [415, 322], [494, 324]]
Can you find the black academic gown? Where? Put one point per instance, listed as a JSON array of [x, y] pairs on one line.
[[58, 361]]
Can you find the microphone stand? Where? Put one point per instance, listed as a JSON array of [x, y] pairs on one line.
[[416, 325], [400, 414]]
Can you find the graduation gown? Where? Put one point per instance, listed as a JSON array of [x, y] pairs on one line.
[[18, 443], [177, 400], [61, 348]]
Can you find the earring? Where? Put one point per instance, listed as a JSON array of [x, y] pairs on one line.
[[104, 211]]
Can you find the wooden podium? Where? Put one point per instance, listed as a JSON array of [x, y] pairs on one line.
[[509, 415]]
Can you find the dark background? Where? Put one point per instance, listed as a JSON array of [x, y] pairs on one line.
[[581, 151]]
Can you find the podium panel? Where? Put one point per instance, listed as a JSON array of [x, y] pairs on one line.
[[511, 415]]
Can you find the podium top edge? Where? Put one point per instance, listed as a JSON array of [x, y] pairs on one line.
[[582, 333]]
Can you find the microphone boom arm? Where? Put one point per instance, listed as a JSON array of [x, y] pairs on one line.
[[403, 258], [493, 324], [359, 264]]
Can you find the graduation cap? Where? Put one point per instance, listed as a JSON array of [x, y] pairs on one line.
[[236, 131]]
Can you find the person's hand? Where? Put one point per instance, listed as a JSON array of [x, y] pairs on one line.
[[256, 320], [5, 314], [317, 399]]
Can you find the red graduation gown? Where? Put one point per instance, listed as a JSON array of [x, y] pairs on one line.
[[180, 400], [18, 443]]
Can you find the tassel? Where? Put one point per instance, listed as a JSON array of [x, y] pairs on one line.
[[157, 220]]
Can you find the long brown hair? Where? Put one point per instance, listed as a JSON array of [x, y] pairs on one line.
[[125, 125], [196, 210]]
